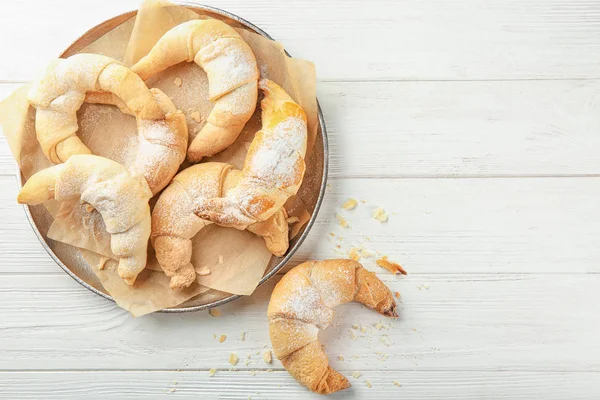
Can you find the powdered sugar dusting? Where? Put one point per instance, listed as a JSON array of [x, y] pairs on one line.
[[276, 161], [305, 303]]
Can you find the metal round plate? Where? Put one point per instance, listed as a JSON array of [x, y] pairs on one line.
[[66, 258]]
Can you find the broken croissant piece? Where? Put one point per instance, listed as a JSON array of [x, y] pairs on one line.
[[302, 303], [174, 223], [232, 77], [273, 169], [120, 196], [67, 83]]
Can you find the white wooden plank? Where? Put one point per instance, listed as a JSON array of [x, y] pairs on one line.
[[447, 322], [381, 39], [437, 129], [536, 225], [104, 385]]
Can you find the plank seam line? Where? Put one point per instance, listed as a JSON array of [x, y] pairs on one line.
[[592, 371]]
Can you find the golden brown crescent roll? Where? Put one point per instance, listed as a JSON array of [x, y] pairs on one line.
[[62, 90], [302, 303], [174, 223], [232, 77], [119, 195], [273, 169]]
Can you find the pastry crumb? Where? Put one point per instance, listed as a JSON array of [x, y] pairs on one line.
[[379, 325], [353, 335], [350, 204], [177, 81], [384, 357], [341, 221], [253, 372], [366, 253], [212, 372], [393, 267], [331, 234], [368, 383], [268, 357], [203, 271], [355, 326], [292, 220], [233, 359], [214, 312], [396, 383], [353, 254], [380, 215], [222, 338], [269, 369], [172, 390], [242, 336], [356, 374], [397, 294], [196, 116], [340, 358]]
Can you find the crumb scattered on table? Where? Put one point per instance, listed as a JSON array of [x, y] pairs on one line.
[[380, 215], [222, 338], [356, 374], [350, 204], [393, 267], [353, 255], [212, 372], [214, 312], [242, 336], [268, 357], [178, 81], [340, 358], [233, 359], [397, 294], [396, 383], [341, 221], [368, 383]]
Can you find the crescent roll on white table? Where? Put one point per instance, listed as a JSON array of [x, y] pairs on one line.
[[119, 195], [67, 83], [273, 169], [232, 76], [302, 303]]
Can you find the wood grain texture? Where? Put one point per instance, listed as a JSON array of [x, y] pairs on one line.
[[506, 322], [354, 40], [502, 291], [452, 129], [535, 225], [416, 385]]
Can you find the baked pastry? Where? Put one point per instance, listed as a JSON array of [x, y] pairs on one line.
[[119, 195], [302, 303], [62, 90], [174, 223], [273, 169], [232, 75]]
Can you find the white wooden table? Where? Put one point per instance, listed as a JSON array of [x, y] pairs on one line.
[[474, 123]]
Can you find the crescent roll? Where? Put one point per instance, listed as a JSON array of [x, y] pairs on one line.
[[62, 90], [174, 223], [302, 303], [120, 196], [232, 77], [273, 169]]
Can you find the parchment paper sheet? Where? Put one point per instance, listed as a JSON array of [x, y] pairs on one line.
[[237, 259]]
